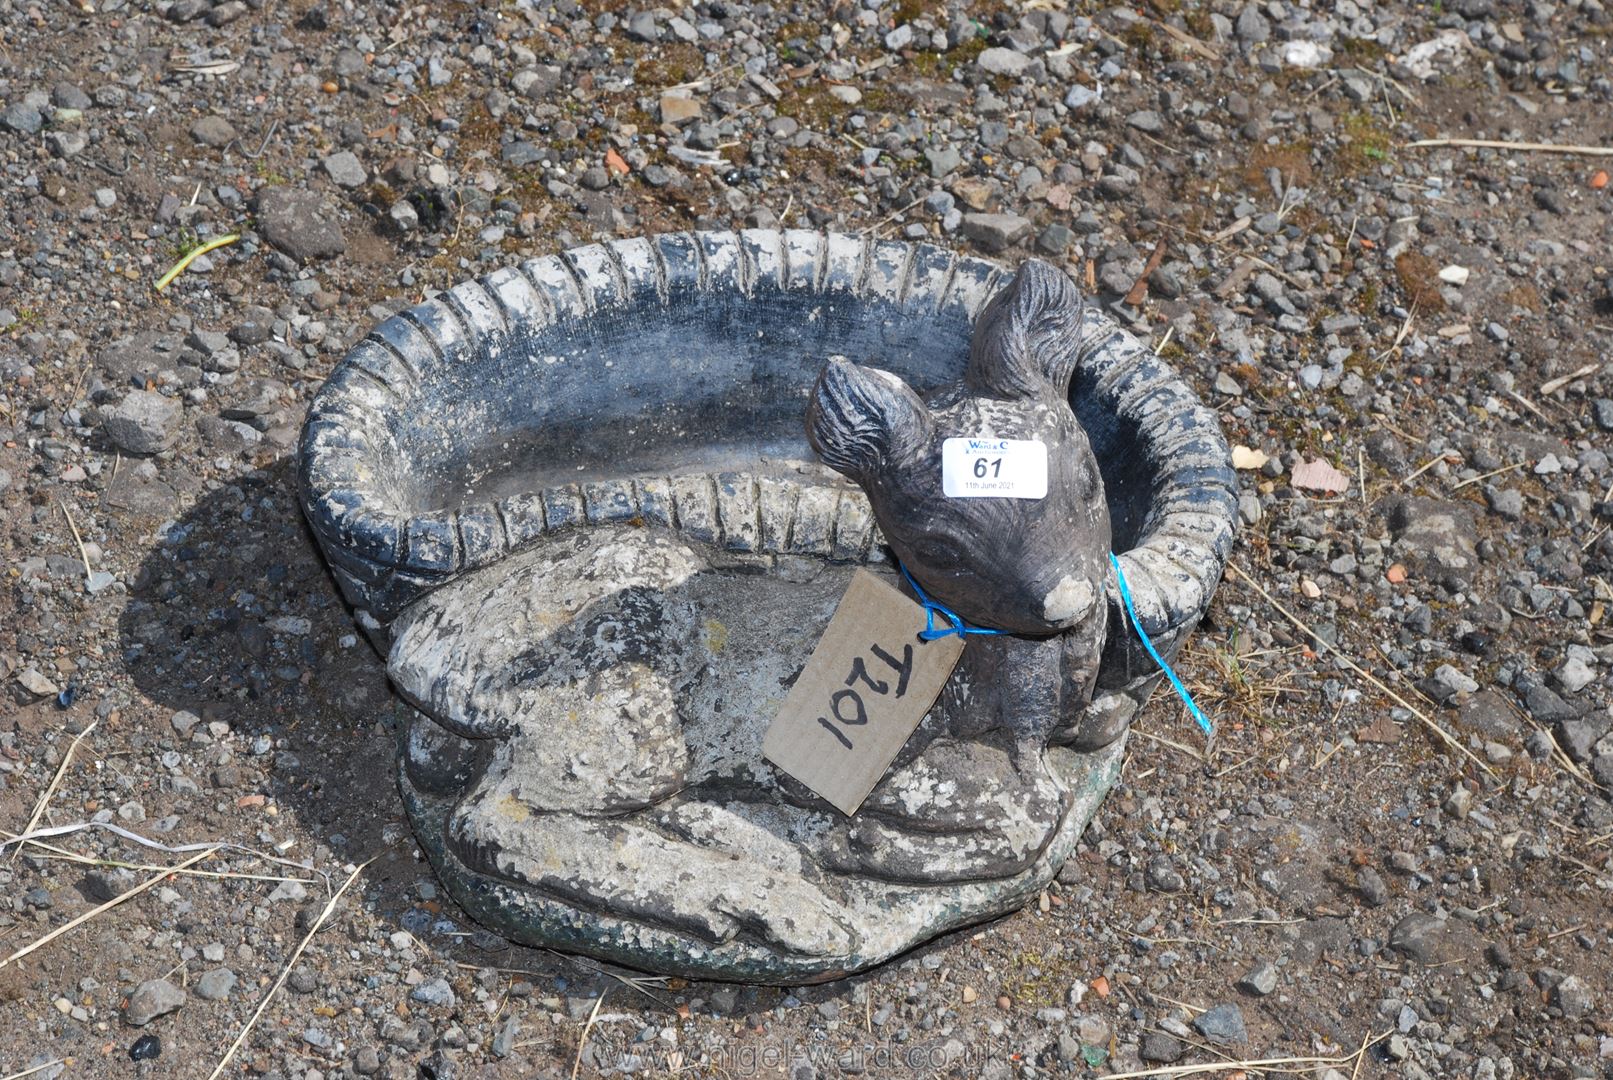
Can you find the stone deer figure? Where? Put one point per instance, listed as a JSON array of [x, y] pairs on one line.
[[1035, 568]]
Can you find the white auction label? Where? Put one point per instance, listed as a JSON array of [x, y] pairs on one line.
[[994, 468]]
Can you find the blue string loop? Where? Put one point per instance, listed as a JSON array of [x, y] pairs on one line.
[[1137, 626], [932, 608], [957, 625]]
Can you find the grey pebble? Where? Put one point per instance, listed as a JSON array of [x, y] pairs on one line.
[[1260, 980], [151, 999], [995, 232], [216, 985], [345, 170], [22, 119], [144, 422], [1001, 61], [1223, 1025], [298, 223], [434, 992]]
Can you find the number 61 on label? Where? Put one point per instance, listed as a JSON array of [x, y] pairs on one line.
[[994, 468]]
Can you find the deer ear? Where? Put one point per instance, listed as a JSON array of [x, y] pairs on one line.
[[1029, 336], [859, 419]]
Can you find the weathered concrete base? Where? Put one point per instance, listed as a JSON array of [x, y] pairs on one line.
[[588, 771], [891, 918]]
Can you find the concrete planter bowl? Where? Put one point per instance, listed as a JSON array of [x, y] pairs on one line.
[[574, 505]]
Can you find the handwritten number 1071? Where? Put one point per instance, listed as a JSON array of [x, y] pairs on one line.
[[847, 706]]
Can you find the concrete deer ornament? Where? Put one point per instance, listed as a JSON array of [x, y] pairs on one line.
[[572, 503]]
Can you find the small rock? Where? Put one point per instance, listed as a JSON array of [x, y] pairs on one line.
[[1301, 53], [1545, 706], [679, 109], [151, 999], [1454, 681], [643, 27], [995, 232], [1419, 937], [214, 131], [1222, 1025], [1054, 240], [345, 170], [1147, 120], [36, 684], [1252, 27], [1574, 675], [298, 224], [104, 885], [216, 984], [1505, 502], [504, 1040], [404, 216], [1459, 803], [66, 144], [1373, 889], [65, 95], [226, 13], [536, 84], [21, 119], [1573, 997], [1080, 97], [435, 992], [1579, 735], [943, 160], [144, 422], [1162, 877], [1000, 61], [293, 891], [1260, 981], [1160, 1047]]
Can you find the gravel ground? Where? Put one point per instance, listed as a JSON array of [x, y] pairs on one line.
[[1410, 345]]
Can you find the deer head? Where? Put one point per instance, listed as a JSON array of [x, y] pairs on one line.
[[1031, 566]]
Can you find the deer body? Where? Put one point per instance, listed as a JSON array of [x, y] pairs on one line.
[[1035, 568]]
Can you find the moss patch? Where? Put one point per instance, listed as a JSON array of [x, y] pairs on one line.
[[1419, 279], [1368, 146], [1292, 160]]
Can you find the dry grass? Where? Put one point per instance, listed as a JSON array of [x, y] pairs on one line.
[[1239, 686]]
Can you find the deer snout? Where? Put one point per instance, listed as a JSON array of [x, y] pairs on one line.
[[1068, 602]]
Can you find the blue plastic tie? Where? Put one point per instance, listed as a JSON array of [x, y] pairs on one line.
[[1131, 616], [962, 629], [931, 608]]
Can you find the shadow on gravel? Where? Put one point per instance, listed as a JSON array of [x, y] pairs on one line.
[[234, 617]]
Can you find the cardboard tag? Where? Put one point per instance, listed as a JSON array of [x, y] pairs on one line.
[[863, 691], [994, 468]]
